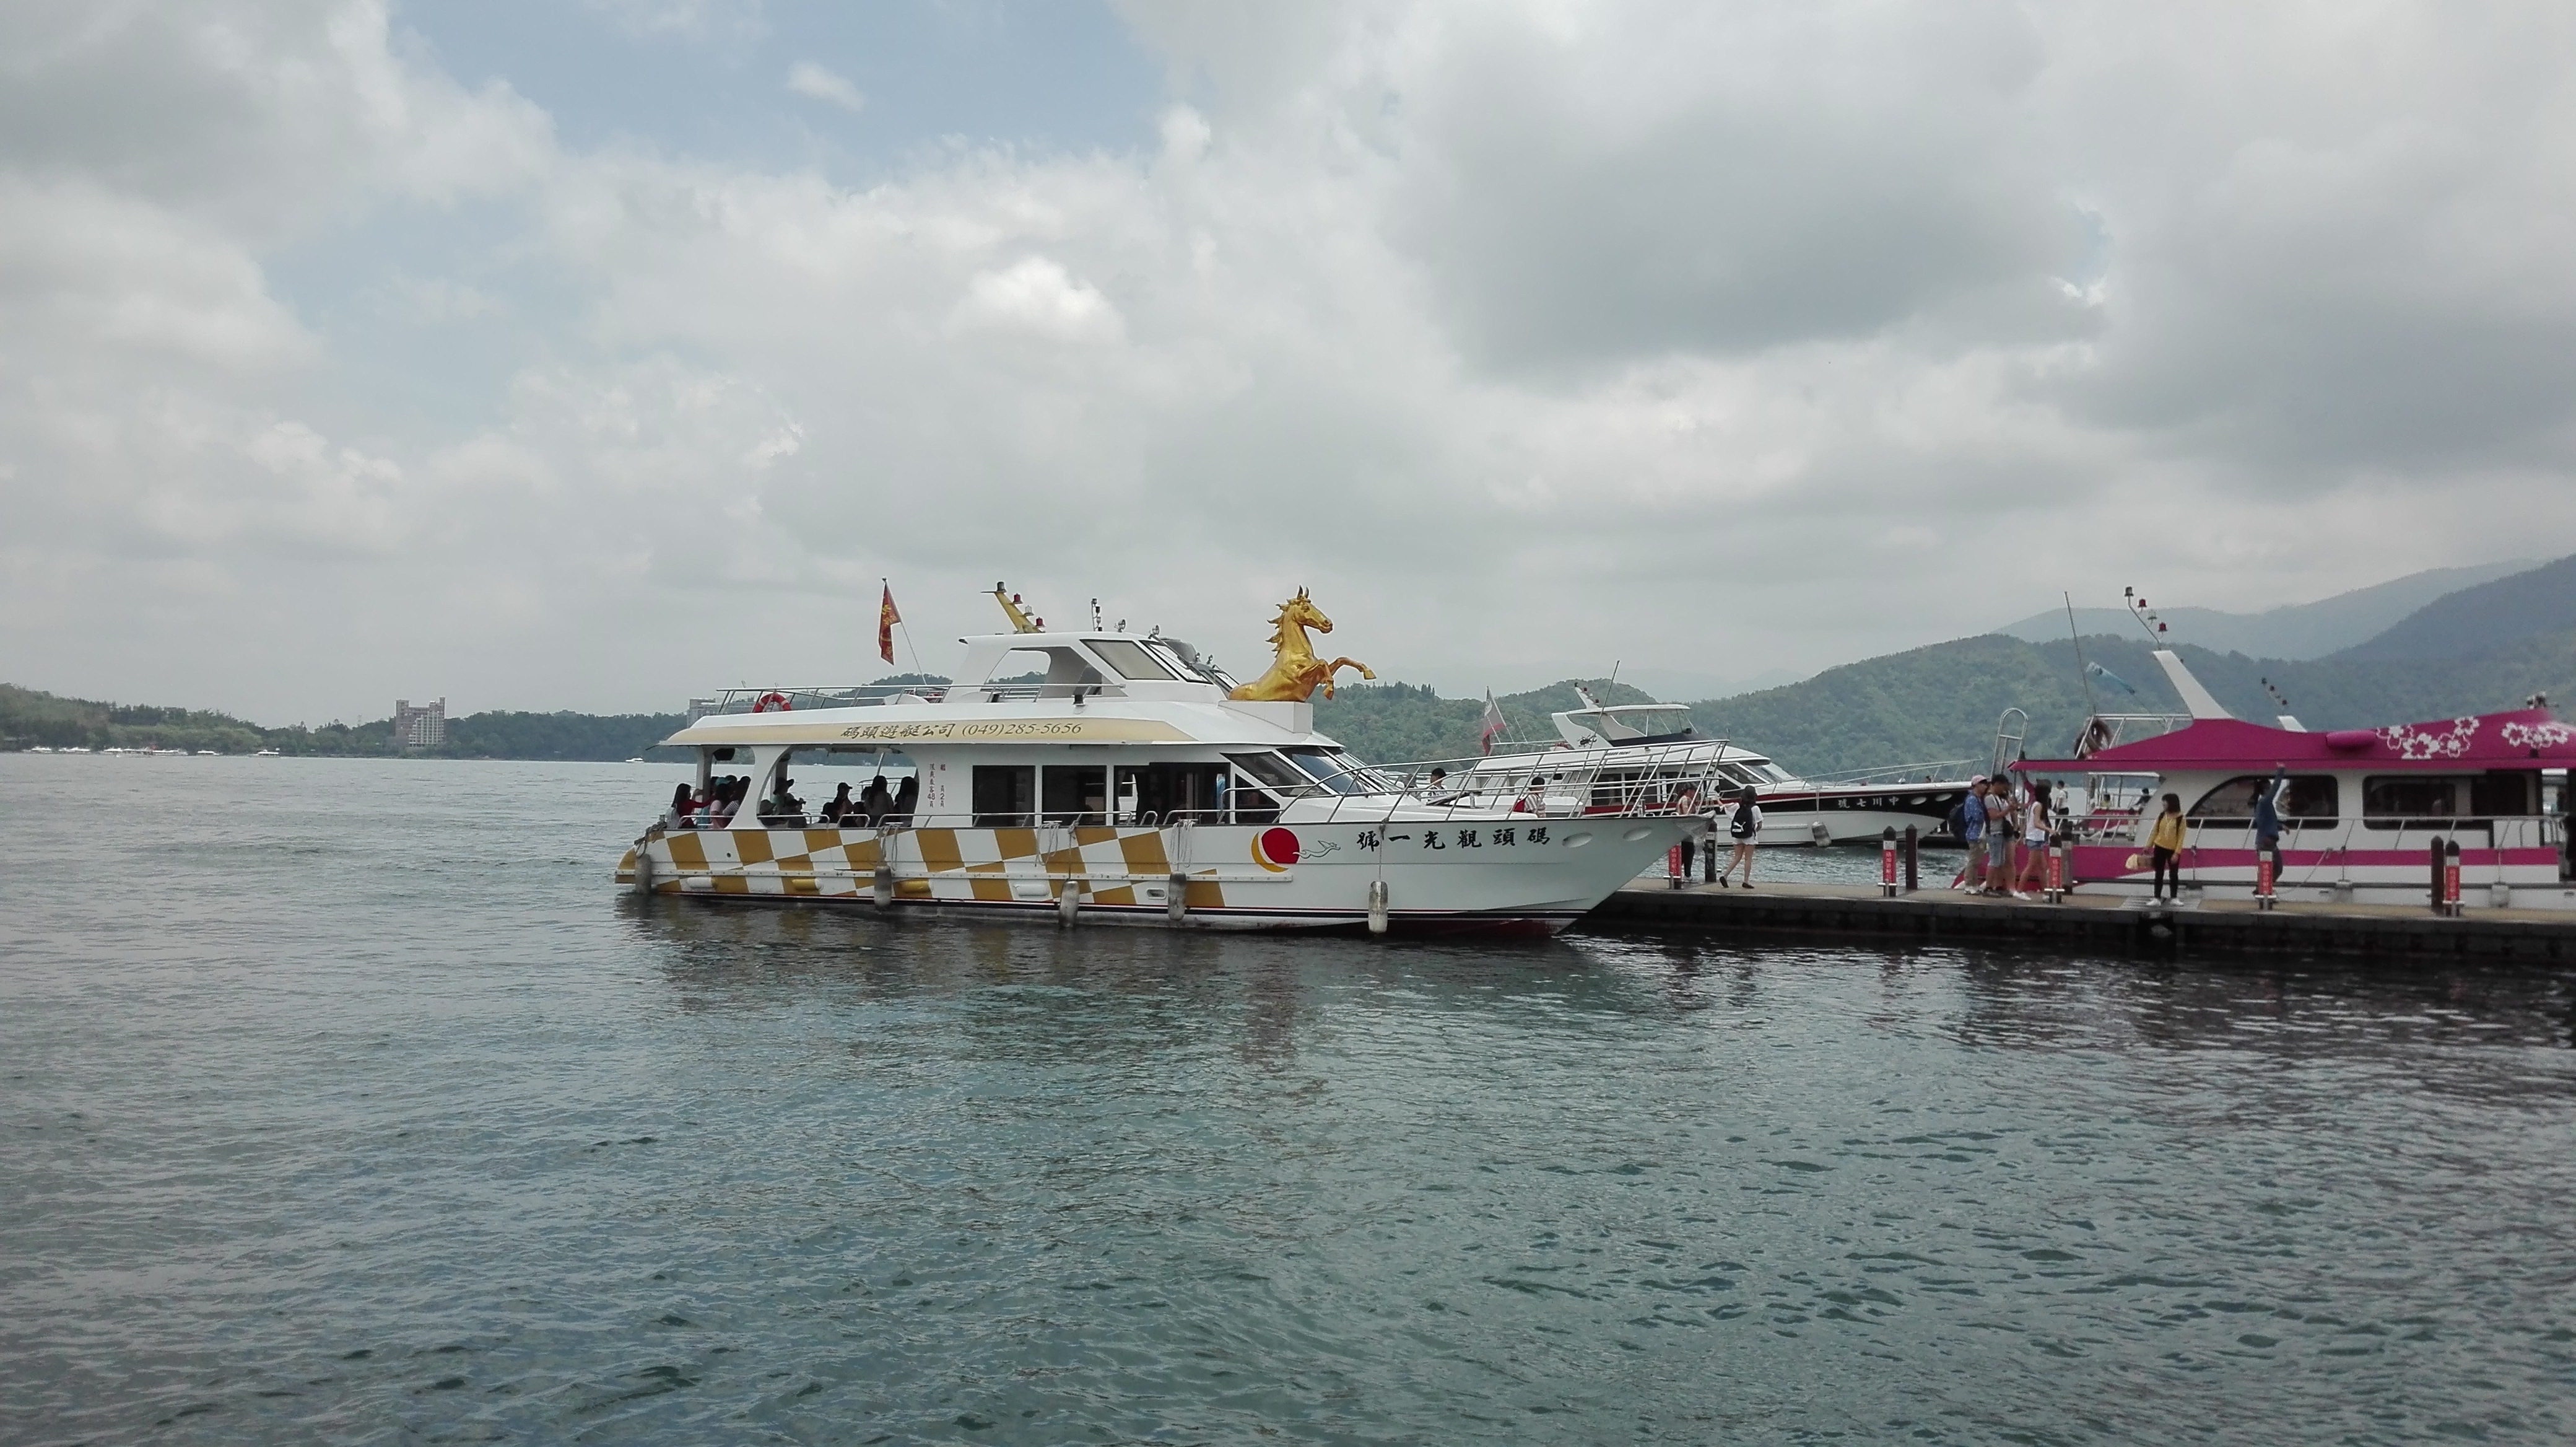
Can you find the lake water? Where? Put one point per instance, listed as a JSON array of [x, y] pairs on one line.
[[346, 1100]]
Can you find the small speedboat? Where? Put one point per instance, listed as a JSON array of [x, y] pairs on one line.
[[1604, 753]]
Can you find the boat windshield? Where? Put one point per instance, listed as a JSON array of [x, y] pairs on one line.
[[1135, 661], [1173, 660], [1336, 771]]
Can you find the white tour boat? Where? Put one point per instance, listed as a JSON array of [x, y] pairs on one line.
[[1607, 753], [1133, 782]]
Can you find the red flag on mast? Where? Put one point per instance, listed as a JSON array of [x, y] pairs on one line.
[[1492, 725], [886, 619]]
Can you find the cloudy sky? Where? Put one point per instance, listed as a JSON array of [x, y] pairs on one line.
[[588, 353]]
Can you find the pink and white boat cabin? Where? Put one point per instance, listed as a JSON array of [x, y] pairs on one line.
[[2359, 815]]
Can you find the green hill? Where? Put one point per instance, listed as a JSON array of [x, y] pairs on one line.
[[2481, 620], [29, 718], [1943, 701], [1401, 722]]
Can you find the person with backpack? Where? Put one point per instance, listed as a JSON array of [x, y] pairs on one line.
[[1968, 826], [1742, 826]]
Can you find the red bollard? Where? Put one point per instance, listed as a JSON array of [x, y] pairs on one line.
[[1673, 867], [2262, 880], [2056, 873], [2451, 879], [1887, 862]]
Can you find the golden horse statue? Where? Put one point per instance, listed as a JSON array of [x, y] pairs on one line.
[[1294, 675]]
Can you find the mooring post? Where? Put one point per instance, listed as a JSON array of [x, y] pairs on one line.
[[1887, 862], [2436, 880], [2451, 880], [1913, 860]]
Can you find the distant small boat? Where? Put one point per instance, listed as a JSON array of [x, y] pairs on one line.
[[210, 753], [265, 754], [41, 749], [77, 749], [636, 760]]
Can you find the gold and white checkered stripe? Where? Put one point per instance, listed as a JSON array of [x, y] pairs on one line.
[[994, 866]]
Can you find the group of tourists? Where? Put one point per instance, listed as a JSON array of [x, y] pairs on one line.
[[2006, 830], [715, 806]]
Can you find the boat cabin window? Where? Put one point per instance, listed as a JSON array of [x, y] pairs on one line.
[[1132, 660], [1074, 794], [2393, 801], [1269, 768], [1157, 795], [2303, 796], [2505, 793], [1005, 796]]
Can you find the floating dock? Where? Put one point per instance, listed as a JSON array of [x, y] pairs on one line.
[[2096, 924]]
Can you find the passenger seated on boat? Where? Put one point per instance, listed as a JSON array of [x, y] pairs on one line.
[[840, 805], [906, 799], [728, 799], [783, 810], [677, 816], [875, 801], [1533, 800]]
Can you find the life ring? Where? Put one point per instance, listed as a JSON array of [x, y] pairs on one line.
[[770, 703]]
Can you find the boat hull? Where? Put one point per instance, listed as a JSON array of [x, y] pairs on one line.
[[2368, 869], [1459, 875], [1856, 815]]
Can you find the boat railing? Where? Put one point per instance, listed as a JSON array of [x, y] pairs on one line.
[[752, 700], [1633, 779], [2109, 730]]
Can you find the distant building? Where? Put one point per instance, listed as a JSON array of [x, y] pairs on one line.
[[424, 727]]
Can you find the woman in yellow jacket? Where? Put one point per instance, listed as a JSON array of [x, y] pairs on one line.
[[2166, 841]]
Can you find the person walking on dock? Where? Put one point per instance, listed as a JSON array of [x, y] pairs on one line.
[[1999, 835], [2166, 843], [1741, 826], [2035, 823]]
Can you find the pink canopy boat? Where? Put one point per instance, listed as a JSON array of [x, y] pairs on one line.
[[2361, 809]]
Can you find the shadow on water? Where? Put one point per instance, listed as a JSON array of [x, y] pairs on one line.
[[1038, 990], [2450, 1029]]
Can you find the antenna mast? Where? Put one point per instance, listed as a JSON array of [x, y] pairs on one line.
[[2091, 708]]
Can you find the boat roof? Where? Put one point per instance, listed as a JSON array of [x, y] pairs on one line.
[[1031, 688], [2516, 739]]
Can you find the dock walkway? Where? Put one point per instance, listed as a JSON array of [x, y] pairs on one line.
[[2106, 924]]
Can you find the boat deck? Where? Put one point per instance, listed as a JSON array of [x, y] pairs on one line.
[[2108, 924]]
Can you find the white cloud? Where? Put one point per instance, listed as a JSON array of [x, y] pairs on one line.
[[1531, 336], [1037, 297], [815, 83]]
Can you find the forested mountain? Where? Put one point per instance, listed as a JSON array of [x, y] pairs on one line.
[[2476, 650], [2296, 630], [1402, 722], [2481, 620], [29, 718]]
